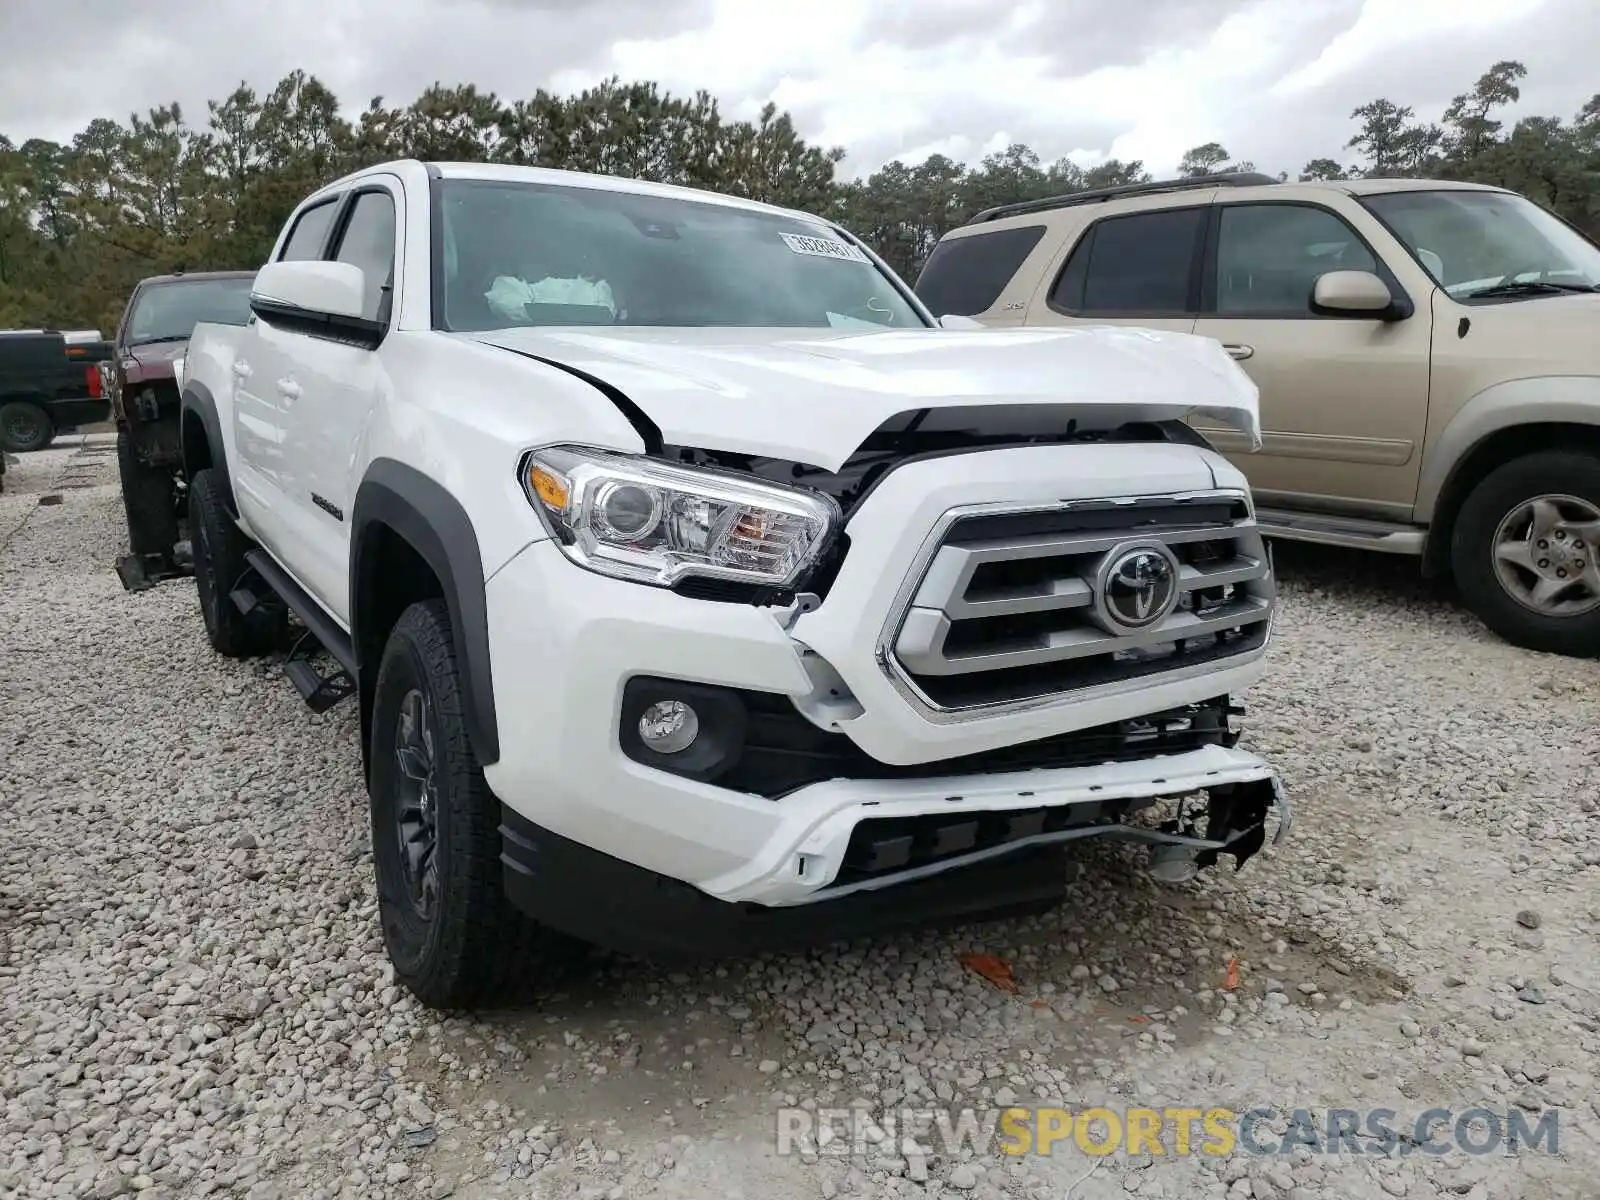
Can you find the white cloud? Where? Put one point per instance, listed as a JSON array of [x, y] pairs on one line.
[[1273, 80]]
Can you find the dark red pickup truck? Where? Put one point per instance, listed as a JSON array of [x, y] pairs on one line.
[[153, 334]]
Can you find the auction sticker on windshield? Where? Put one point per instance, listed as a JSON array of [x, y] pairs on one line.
[[823, 247]]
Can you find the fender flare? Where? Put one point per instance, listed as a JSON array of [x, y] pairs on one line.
[[437, 527], [198, 401], [1538, 400]]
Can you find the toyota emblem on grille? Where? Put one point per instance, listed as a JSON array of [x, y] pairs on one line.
[[1136, 586]]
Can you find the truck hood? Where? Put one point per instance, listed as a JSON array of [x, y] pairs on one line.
[[814, 396], [1561, 316], [1538, 336], [142, 364]]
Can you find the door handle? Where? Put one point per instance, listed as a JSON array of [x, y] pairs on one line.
[[241, 369], [288, 389], [1236, 351]]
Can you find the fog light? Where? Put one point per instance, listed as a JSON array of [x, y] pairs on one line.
[[669, 726], [1172, 864]]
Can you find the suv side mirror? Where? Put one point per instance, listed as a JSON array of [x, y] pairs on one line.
[[308, 289], [951, 321], [1351, 293]]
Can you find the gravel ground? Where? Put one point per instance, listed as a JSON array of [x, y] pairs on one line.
[[194, 1000]]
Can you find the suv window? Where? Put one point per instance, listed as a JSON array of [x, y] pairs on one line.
[[310, 233], [1269, 257], [1140, 264], [368, 243], [965, 276]]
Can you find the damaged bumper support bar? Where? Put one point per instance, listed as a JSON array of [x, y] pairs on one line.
[[857, 858]]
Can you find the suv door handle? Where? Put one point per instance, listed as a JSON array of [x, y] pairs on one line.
[[241, 369], [1237, 351], [288, 389]]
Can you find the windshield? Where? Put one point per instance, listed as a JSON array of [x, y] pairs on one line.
[[168, 312], [1473, 241], [521, 254]]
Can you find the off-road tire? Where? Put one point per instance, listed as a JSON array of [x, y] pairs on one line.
[[149, 497], [1472, 549], [219, 549], [25, 426], [474, 944]]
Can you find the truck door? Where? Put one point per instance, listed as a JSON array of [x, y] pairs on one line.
[[261, 412], [1344, 399], [331, 388]]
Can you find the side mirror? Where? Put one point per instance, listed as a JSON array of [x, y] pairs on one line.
[[1349, 293], [308, 289], [951, 321]]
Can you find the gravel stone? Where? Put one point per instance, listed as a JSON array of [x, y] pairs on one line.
[[195, 999]]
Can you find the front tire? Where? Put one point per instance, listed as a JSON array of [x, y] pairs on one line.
[[219, 549], [24, 426], [452, 936], [1524, 552], [149, 498]]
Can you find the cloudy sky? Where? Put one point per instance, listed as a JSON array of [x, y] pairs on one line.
[[1273, 80]]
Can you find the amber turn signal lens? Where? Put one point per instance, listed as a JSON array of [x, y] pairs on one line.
[[549, 487]]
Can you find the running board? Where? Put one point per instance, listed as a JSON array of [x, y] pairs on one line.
[[1351, 532], [320, 691], [333, 639]]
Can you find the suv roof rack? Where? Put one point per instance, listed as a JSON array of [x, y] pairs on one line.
[[1098, 195]]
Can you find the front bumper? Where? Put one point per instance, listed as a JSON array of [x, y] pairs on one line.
[[567, 641]]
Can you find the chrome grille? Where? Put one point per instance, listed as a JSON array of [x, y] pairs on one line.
[[1022, 605]]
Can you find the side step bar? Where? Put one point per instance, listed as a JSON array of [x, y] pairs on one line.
[[319, 689], [1351, 532]]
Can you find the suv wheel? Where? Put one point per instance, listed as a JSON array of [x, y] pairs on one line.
[[25, 426], [450, 933], [219, 548], [149, 499], [1526, 552]]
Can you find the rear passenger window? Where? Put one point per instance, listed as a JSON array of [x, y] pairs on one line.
[[966, 275], [1139, 265], [310, 233]]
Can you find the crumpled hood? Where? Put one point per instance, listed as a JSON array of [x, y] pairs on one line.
[[141, 364], [814, 396]]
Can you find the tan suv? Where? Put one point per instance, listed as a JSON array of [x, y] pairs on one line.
[[1428, 357]]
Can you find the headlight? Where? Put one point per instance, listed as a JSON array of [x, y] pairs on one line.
[[637, 519], [177, 371]]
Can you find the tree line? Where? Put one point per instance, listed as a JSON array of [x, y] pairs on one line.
[[81, 222]]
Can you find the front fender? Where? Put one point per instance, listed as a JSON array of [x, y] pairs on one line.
[[436, 526], [1539, 400], [198, 408]]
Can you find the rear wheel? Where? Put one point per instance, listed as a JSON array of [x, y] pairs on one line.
[[25, 426], [219, 549], [150, 501], [1526, 552], [451, 934]]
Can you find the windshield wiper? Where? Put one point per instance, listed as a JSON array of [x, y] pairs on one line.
[[156, 341], [1530, 288]]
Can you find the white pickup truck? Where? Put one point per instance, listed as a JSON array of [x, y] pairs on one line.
[[700, 591]]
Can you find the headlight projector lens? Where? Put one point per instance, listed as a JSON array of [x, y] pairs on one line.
[[629, 511]]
